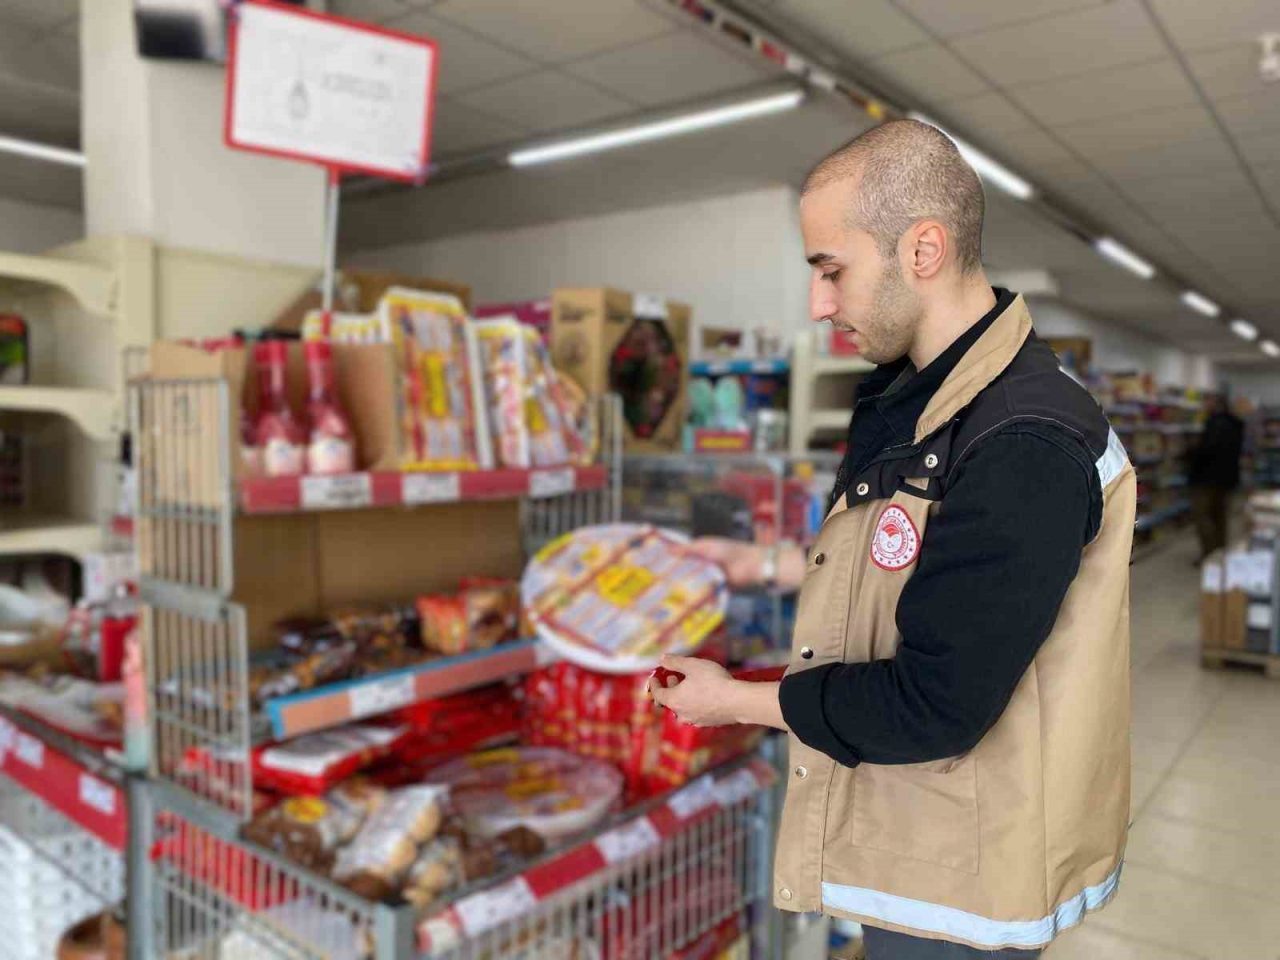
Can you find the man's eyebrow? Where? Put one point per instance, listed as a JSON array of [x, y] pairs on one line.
[[820, 258]]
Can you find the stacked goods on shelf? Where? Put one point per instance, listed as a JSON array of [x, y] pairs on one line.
[[1238, 597], [1266, 448], [737, 405]]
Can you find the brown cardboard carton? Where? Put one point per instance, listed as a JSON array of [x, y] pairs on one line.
[[610, 341], [1211, 601], [1075, 353]]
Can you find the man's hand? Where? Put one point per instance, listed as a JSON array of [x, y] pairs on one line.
[[709, 697], [743, 563]]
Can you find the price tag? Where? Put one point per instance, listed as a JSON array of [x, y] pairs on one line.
[[29, 750], [489, 908], [649, 305], [97, 795], [629, 840], [551, 483], [342, 491], [379, 696], [430, 488], [736, 787], [695, 797]]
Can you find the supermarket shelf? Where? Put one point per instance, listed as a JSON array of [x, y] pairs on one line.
[[626, 837], [66, 775], [829, 365], [92, 287], [353, 491], [719, 368], [25, 533], [829, 419], [93, 411], [338, 703]]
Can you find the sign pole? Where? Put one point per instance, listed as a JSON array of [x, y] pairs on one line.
[[333, 193]]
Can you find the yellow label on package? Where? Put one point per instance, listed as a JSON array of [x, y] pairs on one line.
[[621, 583]]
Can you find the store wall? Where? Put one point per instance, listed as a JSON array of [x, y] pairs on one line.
[[1260, 386], [35, 228], [1117, 349], [738, 260]]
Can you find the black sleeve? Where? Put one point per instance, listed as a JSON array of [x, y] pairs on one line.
[[996, 561]]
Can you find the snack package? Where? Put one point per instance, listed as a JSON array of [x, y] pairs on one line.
[[384, 849], [442, 392], [323, 666], [307, 829], [483, 614], [346, 327], [551, 792], [617, 597], [317, 761], [502, 354]]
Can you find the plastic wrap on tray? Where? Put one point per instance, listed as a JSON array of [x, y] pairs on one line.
[[381, 853], [318, 761]]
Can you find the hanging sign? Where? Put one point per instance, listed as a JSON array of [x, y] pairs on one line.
[[350, 96]]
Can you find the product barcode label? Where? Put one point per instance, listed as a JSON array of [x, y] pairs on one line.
[[430, 488], [550, 483], [29, 750], [628, 840], [97, 795], [695, 797], [343, 490], [736, 787], [489, 908], [379, 696]]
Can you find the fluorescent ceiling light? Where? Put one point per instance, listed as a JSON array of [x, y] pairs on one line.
[[1200, 304], [658, 129], [1244, 329], [988, 169], [1118, 253], [41, 151], [1269, 348]]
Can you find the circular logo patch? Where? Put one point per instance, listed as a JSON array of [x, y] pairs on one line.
[[896, 542]]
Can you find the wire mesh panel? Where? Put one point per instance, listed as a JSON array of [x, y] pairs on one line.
[[52, 874], [185, 501], [197, 672], [543, 519]]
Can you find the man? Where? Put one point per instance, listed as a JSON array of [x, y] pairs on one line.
[[957, 700], [1213, 471]]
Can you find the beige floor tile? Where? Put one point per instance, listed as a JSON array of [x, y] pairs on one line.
[[1154, 752], [1241, 807], [1142, 785], [1090, 942], [1246, 861], [1203, 762], [1252, 741], [1191, 915]]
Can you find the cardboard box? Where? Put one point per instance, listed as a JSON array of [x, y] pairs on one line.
[[359, 292], [1074, 353], [1211, 601], [610, 341]]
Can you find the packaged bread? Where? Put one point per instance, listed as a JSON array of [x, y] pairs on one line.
[[387, 844], [307, 829]]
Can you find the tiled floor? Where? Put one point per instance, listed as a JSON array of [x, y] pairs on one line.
[[1202, 873]]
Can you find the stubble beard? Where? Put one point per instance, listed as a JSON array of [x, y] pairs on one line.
[[894, 316]]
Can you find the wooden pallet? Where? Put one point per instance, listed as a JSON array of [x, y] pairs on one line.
[[1218, 658]]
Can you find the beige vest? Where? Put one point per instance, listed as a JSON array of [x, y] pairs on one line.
[[1019, 838]]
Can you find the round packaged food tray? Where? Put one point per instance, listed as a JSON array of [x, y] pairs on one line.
[[617, 597]]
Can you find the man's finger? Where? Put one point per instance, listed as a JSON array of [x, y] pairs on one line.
[[679, 664]]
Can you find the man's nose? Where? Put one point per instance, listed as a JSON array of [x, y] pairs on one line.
[[821, 303]]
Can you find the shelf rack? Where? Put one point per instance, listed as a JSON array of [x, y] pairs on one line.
[[821, 391]]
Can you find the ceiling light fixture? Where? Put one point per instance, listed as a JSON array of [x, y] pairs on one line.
[[990, 170], [1118, 253], [1244, 329], [41, 151], [1269, 348], [1200, 303], [658, 129]]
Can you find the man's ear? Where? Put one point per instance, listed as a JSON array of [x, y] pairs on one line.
[[928, 248]]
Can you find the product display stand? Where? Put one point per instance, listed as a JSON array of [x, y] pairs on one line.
[[216, 573]]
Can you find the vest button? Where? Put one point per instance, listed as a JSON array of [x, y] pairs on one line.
[[819, 559], [784, 893], [801, 773], [931, 461], [863, 489], [806, 653]]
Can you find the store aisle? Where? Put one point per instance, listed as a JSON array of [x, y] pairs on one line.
[[1203, 861]]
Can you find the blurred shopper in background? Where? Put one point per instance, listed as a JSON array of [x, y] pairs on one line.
[[1213, 471]]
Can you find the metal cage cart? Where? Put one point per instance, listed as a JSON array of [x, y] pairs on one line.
[[221, 559], [63, 830]]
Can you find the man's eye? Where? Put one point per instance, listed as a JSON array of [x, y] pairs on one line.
[[833, 276]]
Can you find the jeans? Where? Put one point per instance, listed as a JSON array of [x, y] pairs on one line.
[[889, 945]]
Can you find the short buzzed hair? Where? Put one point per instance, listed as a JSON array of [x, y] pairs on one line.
[[909, 171]]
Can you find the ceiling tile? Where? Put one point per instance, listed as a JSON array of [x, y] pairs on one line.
[[546, 101], [1103, 93], [1251, 113], [1140, 131], [466, 61], [371, 11], [1029, 150], [868, 29], [1230, 71], [947, 18], [554, 31], [1111, 35], [983, 116], [679, 66], [1151, 189], [1186, 158], [38, 14], [1202, 25], [459, 128], [923, 71]]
